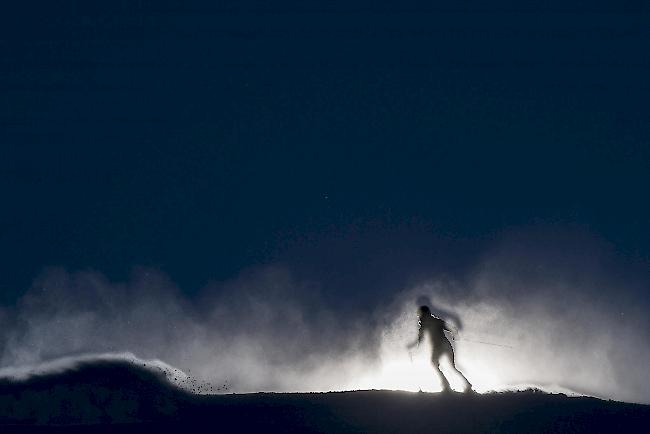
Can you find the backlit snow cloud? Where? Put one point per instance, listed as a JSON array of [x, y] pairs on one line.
[[529, 316]]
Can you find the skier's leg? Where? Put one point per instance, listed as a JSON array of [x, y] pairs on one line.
[[452, 362], [435, 361]]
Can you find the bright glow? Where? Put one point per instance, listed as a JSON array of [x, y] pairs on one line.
[[397, 371]]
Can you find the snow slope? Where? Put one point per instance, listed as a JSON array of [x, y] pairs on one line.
[[121, 394]]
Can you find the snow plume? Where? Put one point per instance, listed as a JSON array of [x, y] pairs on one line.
[[262, 331], [531, 312]]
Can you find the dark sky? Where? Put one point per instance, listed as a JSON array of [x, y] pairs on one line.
[[356, 144]]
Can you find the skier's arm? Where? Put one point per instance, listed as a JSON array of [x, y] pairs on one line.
[[450, 328]]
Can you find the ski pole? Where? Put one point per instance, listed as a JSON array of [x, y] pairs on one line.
[[485, 343]]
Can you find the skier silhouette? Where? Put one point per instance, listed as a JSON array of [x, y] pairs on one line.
[[435, 327]]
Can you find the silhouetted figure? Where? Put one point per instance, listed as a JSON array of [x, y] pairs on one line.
[[436, 327]]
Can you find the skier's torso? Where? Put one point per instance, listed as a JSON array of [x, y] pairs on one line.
[[435, 328]]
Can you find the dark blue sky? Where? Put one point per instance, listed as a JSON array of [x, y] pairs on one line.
[[358, 145]]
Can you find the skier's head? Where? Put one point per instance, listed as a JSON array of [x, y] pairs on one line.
[[424, 311]]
